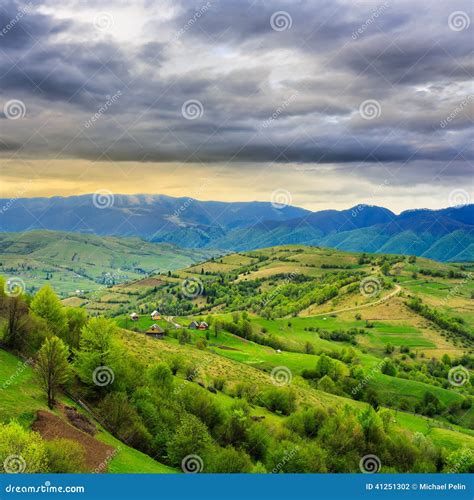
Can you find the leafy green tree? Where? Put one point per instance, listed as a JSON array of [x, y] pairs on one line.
[[15, 333], [47, 306], [190, 438], [76, 320], [53, 367], [96, 346]]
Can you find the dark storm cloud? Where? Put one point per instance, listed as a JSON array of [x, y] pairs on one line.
[[267, 95]]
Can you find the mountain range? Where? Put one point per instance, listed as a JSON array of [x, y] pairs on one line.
[[445, 235]]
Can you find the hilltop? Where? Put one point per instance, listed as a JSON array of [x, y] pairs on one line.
[[85, 262]]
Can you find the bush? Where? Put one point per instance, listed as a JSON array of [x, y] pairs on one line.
[[225, 460], [161, 376], [26, 445], [279, 400], [219, 383], [65, 455]]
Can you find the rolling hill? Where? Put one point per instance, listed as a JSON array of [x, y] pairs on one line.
[[446, 235], [75, 261]]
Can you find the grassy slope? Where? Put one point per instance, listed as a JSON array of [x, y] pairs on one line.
[[77, 261], [21, 397], [221, 362]]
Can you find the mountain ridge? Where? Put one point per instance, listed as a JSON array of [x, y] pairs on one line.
[[238, 226]]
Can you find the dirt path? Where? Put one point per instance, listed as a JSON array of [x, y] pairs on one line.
[[362, 306], [52, 427]]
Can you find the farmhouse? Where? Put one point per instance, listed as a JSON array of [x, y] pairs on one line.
[[134, 317], [195, 325], [155, 315], [156, 331]]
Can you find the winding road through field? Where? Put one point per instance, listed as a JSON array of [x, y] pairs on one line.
[[362, 306]]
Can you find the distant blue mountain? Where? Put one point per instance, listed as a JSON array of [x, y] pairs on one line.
[[446, 234]]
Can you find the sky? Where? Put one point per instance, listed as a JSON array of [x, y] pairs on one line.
[[334, 102]]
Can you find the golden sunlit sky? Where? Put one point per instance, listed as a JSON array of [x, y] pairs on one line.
[[338, 102]]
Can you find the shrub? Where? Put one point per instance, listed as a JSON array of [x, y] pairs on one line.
[[227, 460], [219, 383], [65, 455], [161, 376], [279, 400], [21, 450]]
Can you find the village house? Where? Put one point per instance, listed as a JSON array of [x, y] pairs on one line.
[[134, 317], [195, 325], [156, 331], [155, 315]]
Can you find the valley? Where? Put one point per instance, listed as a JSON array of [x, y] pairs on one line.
[[291, 341]]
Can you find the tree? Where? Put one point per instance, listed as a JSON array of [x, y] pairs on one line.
[[17, 313], [76, 320], [190, 438], [95, 348], [47, 306], [53, 367]]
